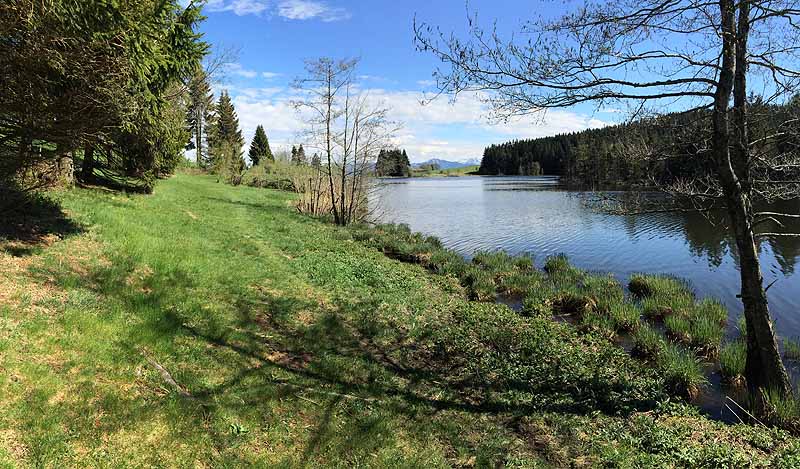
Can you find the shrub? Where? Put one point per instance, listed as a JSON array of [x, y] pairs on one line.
[[732, 358]]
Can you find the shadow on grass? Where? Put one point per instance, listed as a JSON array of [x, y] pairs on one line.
[[339, 358], [28, 220]]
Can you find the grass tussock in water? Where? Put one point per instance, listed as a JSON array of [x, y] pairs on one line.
[[294, 343], [791, 349], [732, 359]]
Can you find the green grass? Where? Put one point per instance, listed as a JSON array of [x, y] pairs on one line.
[[732, 359], [791, 349], [302, 344]]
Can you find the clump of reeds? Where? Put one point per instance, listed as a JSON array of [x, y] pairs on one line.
[[732, 359]]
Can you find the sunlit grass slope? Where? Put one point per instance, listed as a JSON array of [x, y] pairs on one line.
[[213, 326]]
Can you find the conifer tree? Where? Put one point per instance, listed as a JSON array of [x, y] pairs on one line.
[[316, 161], [226, 139], [301, 155], [259, 148], [199, 114], [294, 155]]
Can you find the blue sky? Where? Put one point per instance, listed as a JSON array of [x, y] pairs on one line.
[[274, 37]]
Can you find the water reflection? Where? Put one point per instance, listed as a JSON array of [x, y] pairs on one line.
[[539, 217]]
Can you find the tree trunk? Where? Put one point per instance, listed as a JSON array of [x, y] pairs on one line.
[[764, 368], [87, 170]]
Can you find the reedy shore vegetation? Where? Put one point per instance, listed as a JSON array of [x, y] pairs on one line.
[[274, 339]]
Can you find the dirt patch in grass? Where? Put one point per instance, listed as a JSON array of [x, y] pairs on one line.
[[13, 444]]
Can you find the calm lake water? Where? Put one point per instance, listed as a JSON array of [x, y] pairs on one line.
[[537, 216]]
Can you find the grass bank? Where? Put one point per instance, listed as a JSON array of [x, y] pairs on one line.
[[209, 325]]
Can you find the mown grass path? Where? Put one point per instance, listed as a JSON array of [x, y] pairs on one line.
[[212, 326]]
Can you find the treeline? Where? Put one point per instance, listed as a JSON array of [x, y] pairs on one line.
[[96, 82], [655, 150], [392, 163], [609, 156]]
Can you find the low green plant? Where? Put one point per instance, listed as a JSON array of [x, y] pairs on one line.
[[706, 335], [678, 327], [711, 309], [791, 349], [479, 284], [783, 411], [521, 281], [682, 371], [645, 285], [626, 317], [600, 324], [446, 262], [604, 289], [647, 343], [732, 359]]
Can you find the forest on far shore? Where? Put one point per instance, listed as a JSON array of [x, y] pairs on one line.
[[622, 155]]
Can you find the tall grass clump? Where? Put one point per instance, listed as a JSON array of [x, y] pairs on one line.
[[558, 268], [732, 359], [682, 371], [479, 284], [604, 289], [647, 343], [626, 317], [791, 349], [661, 295], [783, 411]]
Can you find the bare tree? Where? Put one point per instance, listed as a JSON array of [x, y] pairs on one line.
[[347, 127], [697, 56]]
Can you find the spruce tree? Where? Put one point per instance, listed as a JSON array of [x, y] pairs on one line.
[[226, 139], [301, 155], [316, 162], [259, 148], [199, 114]]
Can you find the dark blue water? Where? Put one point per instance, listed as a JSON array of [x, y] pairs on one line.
[[537, 216]]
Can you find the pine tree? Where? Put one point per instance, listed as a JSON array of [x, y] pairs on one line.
[[301, 155], [405, 165], [199, 114], [316, 162], [294, 155], [259, 148]]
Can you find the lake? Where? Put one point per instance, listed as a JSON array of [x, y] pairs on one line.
[[539, 217]]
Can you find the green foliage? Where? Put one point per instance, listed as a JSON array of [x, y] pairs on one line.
[[732, 360], [626, 317], [681, 370], [392, 163], [225, 141], [791, 349], [647, 342], [259, 148]]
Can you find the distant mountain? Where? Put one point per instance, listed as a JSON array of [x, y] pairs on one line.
[[445, 164]]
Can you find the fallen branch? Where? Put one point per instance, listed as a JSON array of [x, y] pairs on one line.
[[166, 376]]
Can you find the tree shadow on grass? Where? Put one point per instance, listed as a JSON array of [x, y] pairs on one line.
[[270, 350], [29, 220]]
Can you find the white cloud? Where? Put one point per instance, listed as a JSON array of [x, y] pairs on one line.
[[437, 129], [289, 9], [239, 70], [239, 7], [270, 75], [308, 9]]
